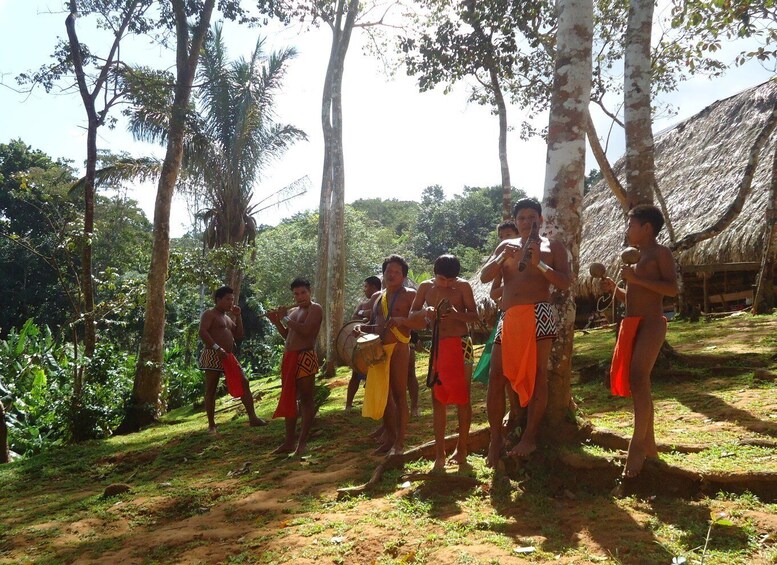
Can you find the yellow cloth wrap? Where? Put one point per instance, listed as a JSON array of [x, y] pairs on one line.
[[376, 390], [519, 350], [402, 338]]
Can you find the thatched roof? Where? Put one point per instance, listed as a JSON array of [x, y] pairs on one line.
[[699, 167]]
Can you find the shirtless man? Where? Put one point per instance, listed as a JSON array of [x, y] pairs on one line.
[[299, 326], [391, 320], [219, 328], [643, 330], [527, 328], [454, 342], [363, 312]]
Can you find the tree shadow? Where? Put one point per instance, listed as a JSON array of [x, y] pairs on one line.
[[717, 409]]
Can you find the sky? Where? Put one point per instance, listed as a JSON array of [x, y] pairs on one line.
[[397, 141]]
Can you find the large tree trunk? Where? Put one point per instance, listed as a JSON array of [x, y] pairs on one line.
[[146, 405], [640, 165], [331, 245], [764, 298], [564, 176]]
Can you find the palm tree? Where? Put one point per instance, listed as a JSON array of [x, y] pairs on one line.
[[232, 137]]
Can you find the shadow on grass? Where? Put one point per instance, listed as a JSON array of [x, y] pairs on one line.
[[717, 409]]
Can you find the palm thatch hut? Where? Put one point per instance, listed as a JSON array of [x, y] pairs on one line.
[[700, 165]]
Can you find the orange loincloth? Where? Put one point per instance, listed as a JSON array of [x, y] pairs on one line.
[[233, 375], [621, 357], [519, 350], [295, 365], [451, 387]]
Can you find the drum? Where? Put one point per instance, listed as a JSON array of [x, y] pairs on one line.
[[368, 352], [346, 342]]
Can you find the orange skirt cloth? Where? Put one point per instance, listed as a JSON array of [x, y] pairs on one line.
[[621, 357], [519, 350], [233, 374], [452, 386]]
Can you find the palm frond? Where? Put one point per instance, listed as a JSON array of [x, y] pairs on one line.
[[123, 170]]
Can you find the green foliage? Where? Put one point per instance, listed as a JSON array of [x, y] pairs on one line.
[[464, 225]]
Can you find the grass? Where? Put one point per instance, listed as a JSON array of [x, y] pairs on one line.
[[185, 506]]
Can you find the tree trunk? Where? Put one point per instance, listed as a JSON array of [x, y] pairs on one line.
[[745, 186], [146, 404], [604, 164], [564, 176], [4, 454], [764, 298], [640, 165], [332, 209]]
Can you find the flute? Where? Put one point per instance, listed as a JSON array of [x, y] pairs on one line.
[[534, 236], [274, 311]]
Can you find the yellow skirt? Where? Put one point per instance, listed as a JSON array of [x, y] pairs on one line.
[[377, 388]]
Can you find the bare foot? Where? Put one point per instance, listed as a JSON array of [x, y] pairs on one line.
[[634, 463], [459, 457], [494, 453], [523, 449], [283, 448], [395, 451], [414, 412], [376, 435], [439, 466], [213, 431], [256, 422], [300, 451]]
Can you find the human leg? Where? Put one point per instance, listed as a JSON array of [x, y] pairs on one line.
[[464, 413], [412, 384], [305, 386], [647, 346], [211, 384], [538, 402], [248, 402], [398, 391], [353, 386]]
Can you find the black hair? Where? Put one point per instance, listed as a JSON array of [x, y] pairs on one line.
[[298, 282], [648, 214], [447, 266], [396, 259], [507, 225], [221, 292], [373, 281], [532, 203]]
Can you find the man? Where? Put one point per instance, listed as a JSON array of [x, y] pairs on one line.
[[299, 327], [362, 313], [526, 332], [385, 395], [643, 330], [452, 353], [220, 326]]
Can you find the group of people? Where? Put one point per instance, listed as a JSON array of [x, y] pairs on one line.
[[523, 269]]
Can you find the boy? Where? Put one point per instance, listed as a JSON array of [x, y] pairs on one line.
[[453, 356], [299, 366], [526, 332], [643, 330]]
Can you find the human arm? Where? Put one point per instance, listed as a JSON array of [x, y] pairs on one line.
[[494, 266], [275, 318], [557, 273], [497, 290], [666, 284], [311, 324], [470, 313], [237, 331], [609, 286]]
